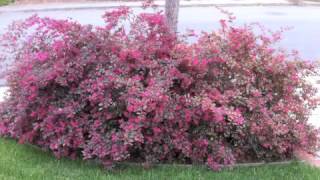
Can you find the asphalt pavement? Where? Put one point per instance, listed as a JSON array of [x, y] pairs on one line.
[[304, 21]]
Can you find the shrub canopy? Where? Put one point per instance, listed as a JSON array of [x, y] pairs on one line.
[[143, 94]]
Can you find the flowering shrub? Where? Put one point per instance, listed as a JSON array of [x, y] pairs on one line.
[[142, 94]]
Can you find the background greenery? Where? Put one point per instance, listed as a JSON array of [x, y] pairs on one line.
[[5, 2]]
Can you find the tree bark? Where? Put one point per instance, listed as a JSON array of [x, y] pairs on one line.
[[296, 2], [172, 13]]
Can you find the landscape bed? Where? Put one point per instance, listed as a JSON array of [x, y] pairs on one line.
[[111, 94]]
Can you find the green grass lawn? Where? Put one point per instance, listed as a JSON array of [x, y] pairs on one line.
[[26, 162], [4, 2]]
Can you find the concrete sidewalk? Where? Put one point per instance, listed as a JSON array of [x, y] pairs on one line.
[[83, 4]]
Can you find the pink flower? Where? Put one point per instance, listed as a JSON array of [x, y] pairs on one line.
[[42, 56]]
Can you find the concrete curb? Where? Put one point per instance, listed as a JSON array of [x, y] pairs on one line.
[[257, 164]]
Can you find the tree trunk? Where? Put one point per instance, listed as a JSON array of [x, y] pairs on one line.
[[172, 12], [296, 2]]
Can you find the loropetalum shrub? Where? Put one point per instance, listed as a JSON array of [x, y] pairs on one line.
[[140, 93]]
